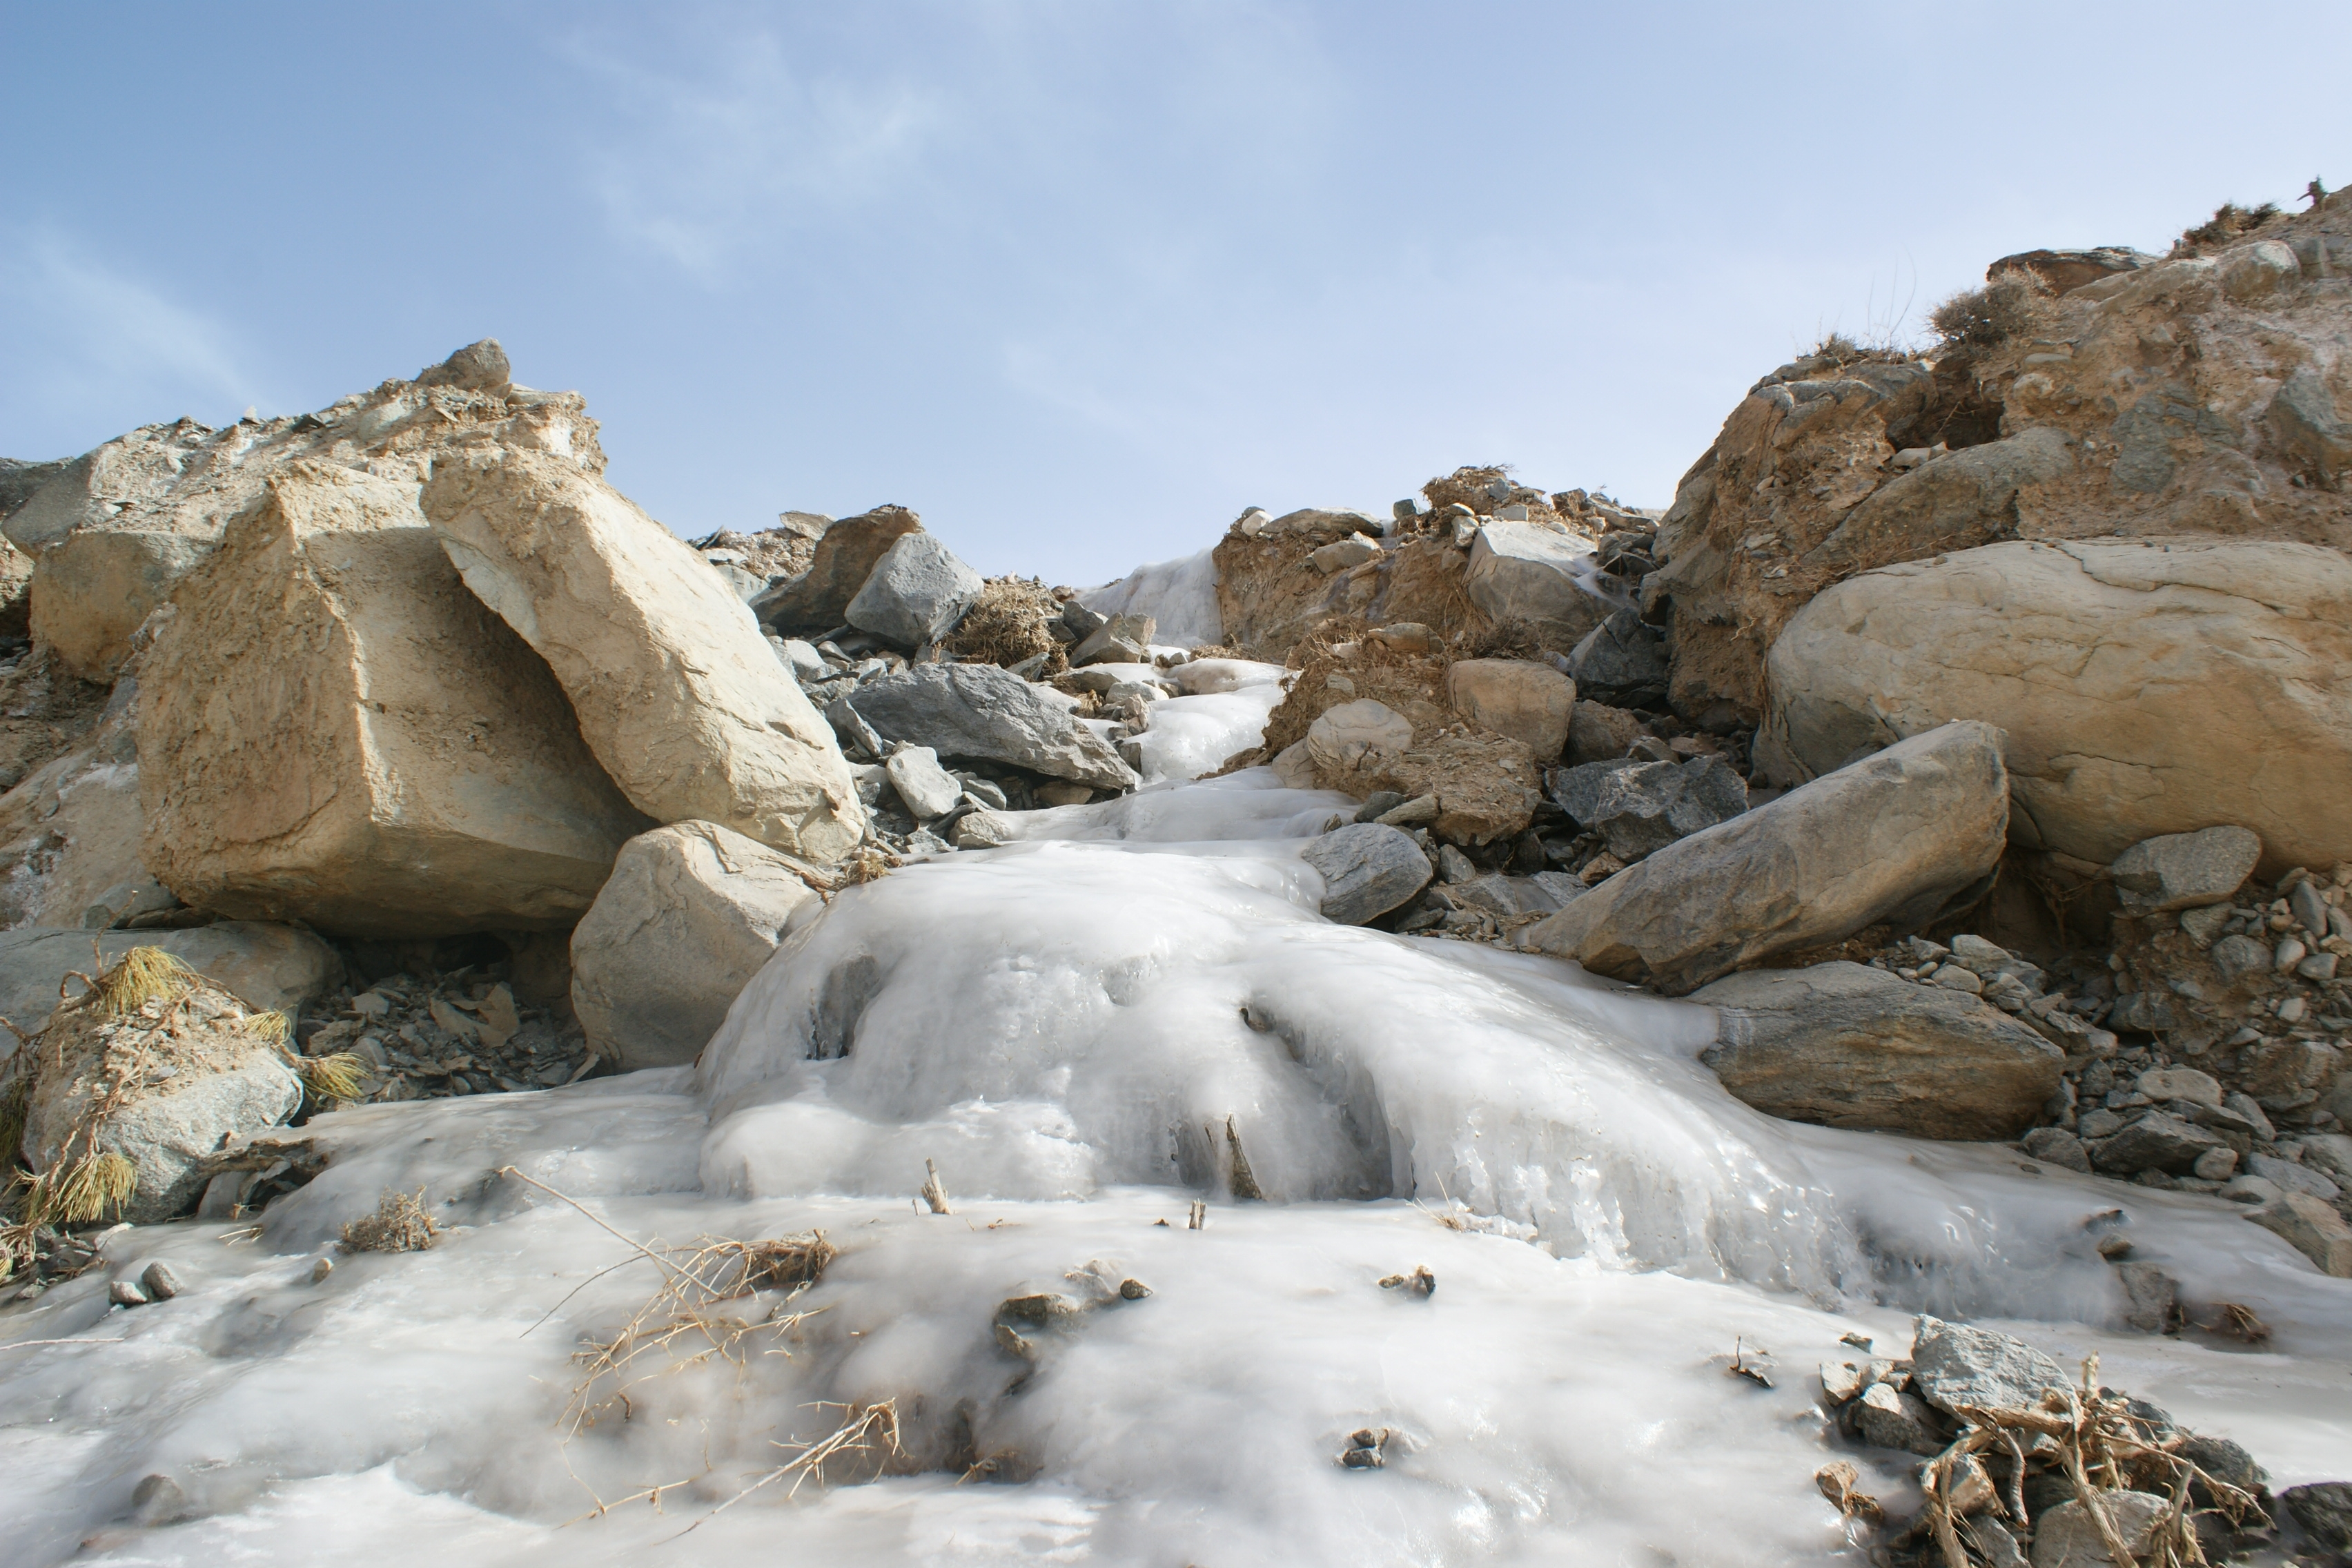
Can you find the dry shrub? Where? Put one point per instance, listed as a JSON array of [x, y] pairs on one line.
[[1467, 485], [400, 1223], [2015, 304], [2229, 221], [1007, 624], [1502, 639]]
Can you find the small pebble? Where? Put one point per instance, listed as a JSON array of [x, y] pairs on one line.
[[159, 1283], [126, 1293]]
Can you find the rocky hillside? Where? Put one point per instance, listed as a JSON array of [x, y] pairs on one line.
[[1957, 760]]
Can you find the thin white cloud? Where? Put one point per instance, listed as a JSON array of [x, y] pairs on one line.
[[92, 341], [745, 147]]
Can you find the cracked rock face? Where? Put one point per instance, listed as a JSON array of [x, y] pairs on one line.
[[2146, 690]]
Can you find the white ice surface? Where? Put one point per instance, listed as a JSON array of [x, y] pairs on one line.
[[1055, 1022], [1181, 596]]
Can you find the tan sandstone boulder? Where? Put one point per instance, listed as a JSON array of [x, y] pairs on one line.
[[113, 533], [1899, 837], [332, 729], [678, 695], [2147, 688], [690, 914], [1515, 697]]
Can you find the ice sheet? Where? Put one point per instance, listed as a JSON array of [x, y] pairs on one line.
[[1181, 596], [1064, 1025]]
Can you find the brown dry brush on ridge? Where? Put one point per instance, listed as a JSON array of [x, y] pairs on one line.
[[1006, 625]]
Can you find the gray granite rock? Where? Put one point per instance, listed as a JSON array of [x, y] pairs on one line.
[[1621, 662], [981, 711], [928, 789], [1640, 807], [2154, 1142], [915, 593], [2067, 1537], [2185, 870], [1367, 870], [1953, 1365]]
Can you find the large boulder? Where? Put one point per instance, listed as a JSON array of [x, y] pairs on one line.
[[333, 730], [1847, 1046], [817, 600], [915, 593], [1898, 838], [1549, 579], [269, 968], [1515, 697], [693, 909], [986, 713], [1954, 501], [2145, 689], [112, 533], [678, 695]]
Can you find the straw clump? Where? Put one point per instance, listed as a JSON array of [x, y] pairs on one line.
[[401, 1224]]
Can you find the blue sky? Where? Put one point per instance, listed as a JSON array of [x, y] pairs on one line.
[[1079, 281]]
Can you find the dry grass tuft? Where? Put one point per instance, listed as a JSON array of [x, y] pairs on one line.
[[1007, 624], [2228, 222], [1502, 639], [274, 1027], [2015, 304], [400, 1223], [1468, 486], [144, 974], [77, 1190], [341, 1076]]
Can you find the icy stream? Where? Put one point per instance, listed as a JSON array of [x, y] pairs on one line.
[[1064, 1025]]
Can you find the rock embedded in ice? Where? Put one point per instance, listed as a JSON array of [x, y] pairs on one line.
[[2324, 1508], [1955, 1365], [1897, 836], [981, 711], [1845, 1045], [1367, 870], [915, 593], [927, 788], [2310, 1225], [1896, 1418], [690, 913]]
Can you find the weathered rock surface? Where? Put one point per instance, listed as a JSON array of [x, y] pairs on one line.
[[677, 694], [1640, 807], [2185, 870], [915, 593], [1598, 732], [1519, 697], [1848, 1046], [692, 912], [927, 789], [332, 729], [2196, 398], [1896, 838], [70, 832], [817, 600], [1367, 870], [111, 534], [1550, 579], [1268, 596], [2146, 689], [1955, 1365], [2156, 1140], [269, 968], [1621, 661], [990, 714], [2067, 1537], [2312, 1227]]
